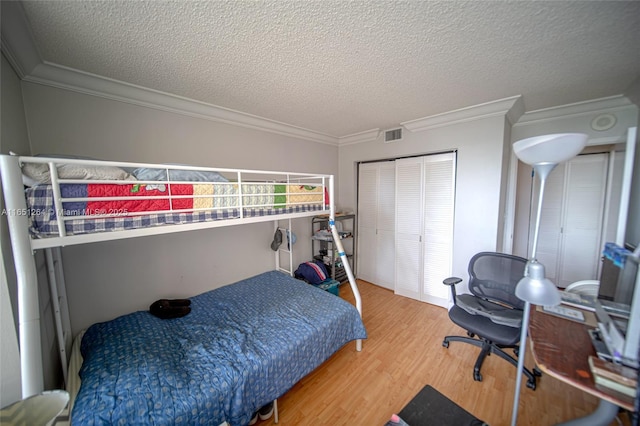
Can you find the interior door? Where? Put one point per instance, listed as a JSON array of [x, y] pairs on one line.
[[586, 179], [438, 203], [376, 223], [386, 223], [408, 238], [367, 213], [548, 250], [571, 222], [424, 226]]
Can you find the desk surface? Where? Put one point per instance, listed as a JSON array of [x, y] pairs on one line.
[[561, 348]]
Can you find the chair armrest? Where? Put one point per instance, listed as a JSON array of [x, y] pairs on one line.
[[451, 282]]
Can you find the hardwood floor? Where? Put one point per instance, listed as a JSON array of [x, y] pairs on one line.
[[402, 354]]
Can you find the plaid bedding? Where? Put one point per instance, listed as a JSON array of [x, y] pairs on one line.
[[96, 213]]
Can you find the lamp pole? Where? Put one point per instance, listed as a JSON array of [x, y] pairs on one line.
[[521, 352], [535, 272], [543, 153]]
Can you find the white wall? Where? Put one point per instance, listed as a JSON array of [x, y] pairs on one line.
[[480, 146], [113, 278]]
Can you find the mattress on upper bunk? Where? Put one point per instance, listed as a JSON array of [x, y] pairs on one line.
[[242, 346], [169, 203]]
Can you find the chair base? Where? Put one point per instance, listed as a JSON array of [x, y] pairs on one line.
[[487, 348]]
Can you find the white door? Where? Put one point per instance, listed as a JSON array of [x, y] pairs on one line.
[[424, 226], [571, 223], [439, 191], [408, 280], [376, 223], [548, 250], [386, 223], [583, 219], [367, 213]]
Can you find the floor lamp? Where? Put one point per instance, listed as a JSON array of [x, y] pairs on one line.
[[543, 153]]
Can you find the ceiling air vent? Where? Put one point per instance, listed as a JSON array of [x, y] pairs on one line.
[[393, 135]]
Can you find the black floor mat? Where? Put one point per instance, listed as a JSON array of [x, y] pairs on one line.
[[430, 408]]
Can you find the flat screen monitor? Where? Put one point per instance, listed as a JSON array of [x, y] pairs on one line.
[[619, 321]]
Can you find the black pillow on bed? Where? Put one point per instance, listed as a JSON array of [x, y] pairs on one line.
[[170, 308]]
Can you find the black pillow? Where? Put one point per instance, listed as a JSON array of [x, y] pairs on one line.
[[170, 308]]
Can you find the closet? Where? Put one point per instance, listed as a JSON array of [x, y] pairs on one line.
[[405, 225], [572, 223], [376, 222], [425, 189]]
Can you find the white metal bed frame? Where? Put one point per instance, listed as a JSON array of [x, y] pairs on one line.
[[24, 246]]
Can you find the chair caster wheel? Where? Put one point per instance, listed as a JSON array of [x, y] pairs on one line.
[[537, 372], [531, 384], [477, 376], [445, 343]]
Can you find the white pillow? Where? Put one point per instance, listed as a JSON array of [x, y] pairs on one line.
[[40, 172], [35, 173]]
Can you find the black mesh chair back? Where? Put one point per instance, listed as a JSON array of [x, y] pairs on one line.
[[493, 276], [491, 314]]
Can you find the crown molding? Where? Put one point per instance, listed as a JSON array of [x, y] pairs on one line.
[[20, 49], [366, 136], [607, 140], [516, 111], [17, 41], [91, 84], [511, 107], [609, 104]]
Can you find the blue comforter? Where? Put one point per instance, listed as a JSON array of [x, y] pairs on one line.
[[241, 346]]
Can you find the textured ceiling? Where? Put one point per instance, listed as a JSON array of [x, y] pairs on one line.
[[342, 67]]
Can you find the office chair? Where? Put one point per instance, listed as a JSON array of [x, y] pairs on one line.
[[492, 312]]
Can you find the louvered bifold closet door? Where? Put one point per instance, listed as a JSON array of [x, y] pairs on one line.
[[409, 227], [425, 188], [572, 221], [367, 214], [586, 180], [376, 223], [438, 199], [386, 224], [548, 251]]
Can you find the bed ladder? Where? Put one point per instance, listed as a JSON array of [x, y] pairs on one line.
[[57, 287], [285, 247]]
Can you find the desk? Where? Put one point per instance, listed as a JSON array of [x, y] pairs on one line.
[[561, 349]]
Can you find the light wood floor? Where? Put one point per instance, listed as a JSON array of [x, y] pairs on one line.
[[402, 354]]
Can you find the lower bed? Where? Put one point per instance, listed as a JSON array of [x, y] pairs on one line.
[[242, 346]]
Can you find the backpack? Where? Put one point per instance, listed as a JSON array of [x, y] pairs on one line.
[[312, 272]]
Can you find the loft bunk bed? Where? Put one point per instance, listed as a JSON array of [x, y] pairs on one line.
[[70, 201]]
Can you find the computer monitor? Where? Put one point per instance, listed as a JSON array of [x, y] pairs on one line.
[[619, 322], [626, 281]]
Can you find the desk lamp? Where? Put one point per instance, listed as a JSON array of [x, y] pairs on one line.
[[544, 153]]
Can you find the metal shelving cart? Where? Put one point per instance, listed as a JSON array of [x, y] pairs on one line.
[[323, 247]]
